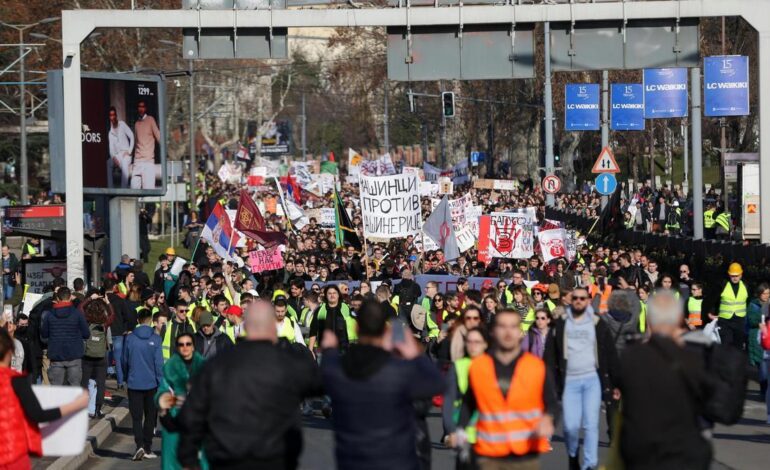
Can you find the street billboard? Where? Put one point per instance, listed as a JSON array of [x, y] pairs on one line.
[[665, 93], [627, 107], [581, 107], [122, 132], [726, 86]]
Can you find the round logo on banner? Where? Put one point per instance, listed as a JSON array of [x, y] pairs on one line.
[[551, 184]]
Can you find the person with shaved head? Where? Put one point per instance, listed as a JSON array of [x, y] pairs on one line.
[[242, 409]]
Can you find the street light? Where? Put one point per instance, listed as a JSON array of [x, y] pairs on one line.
[[23, 164]]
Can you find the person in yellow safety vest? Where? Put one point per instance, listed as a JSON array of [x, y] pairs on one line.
[[219, 304], [233, 324], [644, 294], [124, 287], [311, 303], [505, 297], [280, 293], [723, 225], [695, 306], [333, 315], [176, 326], [554, 297], [457, 379], [709, 221], [674, 219], [514, 398], [733, 302], [185, 293], [522, 303], [287, 328], [31, 248]]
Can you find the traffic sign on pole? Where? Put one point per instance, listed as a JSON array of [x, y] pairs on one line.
[[606, 162], [551, 184], [606, 184]]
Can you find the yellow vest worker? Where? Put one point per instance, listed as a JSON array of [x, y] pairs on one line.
[[694, 307], [732, 303], [507, 425], [708, 219]]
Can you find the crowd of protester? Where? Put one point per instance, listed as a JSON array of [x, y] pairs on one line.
[[228, 360]]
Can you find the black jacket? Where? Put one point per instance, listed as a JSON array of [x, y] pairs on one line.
[[374, 416], [244, 404], [663, 387], [222, 343], [122, 314], [609, 364]]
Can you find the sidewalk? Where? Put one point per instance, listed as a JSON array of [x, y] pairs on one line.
[[745, 445]]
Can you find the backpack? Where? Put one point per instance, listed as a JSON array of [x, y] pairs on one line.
[[96, 344], [728, 378]]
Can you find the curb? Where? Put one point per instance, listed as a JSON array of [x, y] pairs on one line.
[[94, 439]]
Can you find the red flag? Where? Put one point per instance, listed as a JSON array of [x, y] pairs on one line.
[[331, 156], [293, 188], [249, 220]]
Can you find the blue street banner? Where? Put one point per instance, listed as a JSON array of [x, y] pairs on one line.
[[627, 107], [581, 107], [665, 93], [726, 85]]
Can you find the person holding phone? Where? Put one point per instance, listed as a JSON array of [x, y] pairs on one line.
[[178, 372]]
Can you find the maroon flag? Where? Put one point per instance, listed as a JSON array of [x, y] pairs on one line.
[[249, 221]]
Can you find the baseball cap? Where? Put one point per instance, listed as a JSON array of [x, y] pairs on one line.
[[206, 319], [234, 310]]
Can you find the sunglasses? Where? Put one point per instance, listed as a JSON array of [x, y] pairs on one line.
[[541, 318], [501, 286], [183, 345], [182, 310], [579, 298], [438, 300]]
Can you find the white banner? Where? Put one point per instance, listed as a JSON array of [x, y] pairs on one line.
[[413, 170], [390, 206], [553, 244], [428, 189], [511, 234], [466, 239], [354, 165], [458, 208], [230, 173], [382, 166]]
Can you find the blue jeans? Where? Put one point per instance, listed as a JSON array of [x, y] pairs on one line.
[[7, 289], [117, 354], [91, 396], [582, 401]]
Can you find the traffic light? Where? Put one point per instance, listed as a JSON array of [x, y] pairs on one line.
[[448, 102]]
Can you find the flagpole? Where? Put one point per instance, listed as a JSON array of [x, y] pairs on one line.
[[192, 256], [366, 256], [283, 203]]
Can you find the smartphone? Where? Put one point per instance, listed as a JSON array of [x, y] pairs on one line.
[[397, 331]]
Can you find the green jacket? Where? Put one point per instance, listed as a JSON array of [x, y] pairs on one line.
[[176, 377], [753, 318]]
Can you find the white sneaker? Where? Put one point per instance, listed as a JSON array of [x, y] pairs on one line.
[[150, 455], [138, 455]]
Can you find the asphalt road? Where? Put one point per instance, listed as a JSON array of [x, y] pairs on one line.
[[743, 446]]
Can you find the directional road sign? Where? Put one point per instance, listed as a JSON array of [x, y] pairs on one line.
[[606, 162], [606, 184], [551, 184]]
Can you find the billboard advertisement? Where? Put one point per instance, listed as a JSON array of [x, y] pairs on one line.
[[122, 132], [581, 103], [277, 139], [726, 86], [665, 93], [627, 107]]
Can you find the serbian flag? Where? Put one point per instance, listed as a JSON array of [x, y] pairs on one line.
[[249, 220], [219, 233], [293, 189]]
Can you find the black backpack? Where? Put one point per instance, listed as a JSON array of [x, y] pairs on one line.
[[727, 380]]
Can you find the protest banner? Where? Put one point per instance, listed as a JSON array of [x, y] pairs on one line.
[[472, 214], [230, 173], [466, 238], [64, 436], [428, 189], [509, 234], [390, 206], [571, 244], [499, 185], [413, 170], [457, 207], [354, 165], [326, 221], [458, 173], [265, 260], [40, 273], [552, 244]]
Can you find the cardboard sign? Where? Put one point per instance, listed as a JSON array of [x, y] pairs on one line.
[[265, 260], [390, 206]]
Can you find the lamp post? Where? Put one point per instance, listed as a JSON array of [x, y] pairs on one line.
[[23, 163]]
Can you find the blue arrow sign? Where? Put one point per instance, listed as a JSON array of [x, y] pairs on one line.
[[606, 184], [726, 86], [665, 93], [581, 107], [627, 107]]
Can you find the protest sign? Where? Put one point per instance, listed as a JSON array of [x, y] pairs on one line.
[[472, 214], [499, 185], [552, 244], [571, 245], [458, 209], [64, 436], [40, 273], [466, 238], [428, 189], [327, 220], [413, 170], [445, 186], [230, 173], [265, 260], [458, 173], [508, 234], [390, 206]]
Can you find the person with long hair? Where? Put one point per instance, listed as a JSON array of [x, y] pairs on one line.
[[470, 319], [534, 340], [19, 432], [525, 306], [178, 372], [99, 316], [476, 343], [489, 308]]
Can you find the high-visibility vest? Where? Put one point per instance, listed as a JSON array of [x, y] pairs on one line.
[[350, 322], [29, 249], [287, 330], [508, 425], [675, 225], [550, 305], [708, 218], [694, 311], [604, 298], [122, 288], [731, 304], [200, 303], [723, 220], [166, 344], [229, 330], [642, 317], [462, 371], [528, 320], [303, 318]]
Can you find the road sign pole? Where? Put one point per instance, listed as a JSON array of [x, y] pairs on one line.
[[548, 103], [697, 159], [605, 119]]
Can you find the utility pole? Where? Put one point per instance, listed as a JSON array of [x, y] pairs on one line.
[[23, 164], [548, 102], [652, 155], [193, 159], [723, 136], [386, 118], [490, 136], [697, 159], [685, 136], [304, 129], [605, 120]]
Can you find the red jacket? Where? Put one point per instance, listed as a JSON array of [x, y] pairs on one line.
[[18, 435]]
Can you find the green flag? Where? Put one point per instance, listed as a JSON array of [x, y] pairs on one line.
[[329, 167], [343, 228]]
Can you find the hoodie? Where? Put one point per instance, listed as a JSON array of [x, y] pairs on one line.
[[65, 328], [142, 359]]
